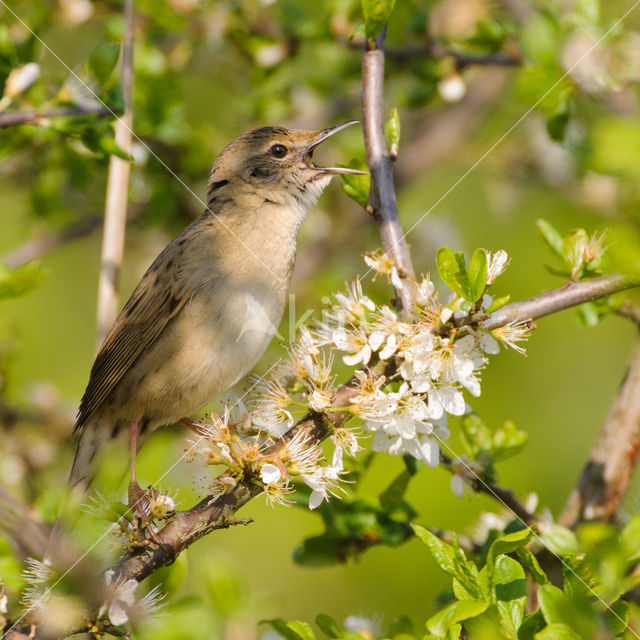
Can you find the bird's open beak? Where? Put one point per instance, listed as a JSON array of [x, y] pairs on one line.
[[322, 136]]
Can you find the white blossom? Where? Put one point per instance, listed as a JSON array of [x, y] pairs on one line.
[[270, 473], [120, 599]]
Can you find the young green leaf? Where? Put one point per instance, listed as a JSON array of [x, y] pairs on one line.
[[551, 236], [327, 625], [508, 441], [102, 60], [530, 562], [392, 132], [477, 274], [376, 13], [452, 270], [561, 541], [357, 187], [452, 560], [510, 587], [456, 612], [20, 281]]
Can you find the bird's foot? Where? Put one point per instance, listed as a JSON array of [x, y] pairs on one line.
[[139, 504]]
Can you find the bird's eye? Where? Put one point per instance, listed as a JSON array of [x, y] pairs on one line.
[[279, 150]]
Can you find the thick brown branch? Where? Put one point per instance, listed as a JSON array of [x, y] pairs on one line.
[[613, 457], [569, 295], [33, 116], [382, 195]]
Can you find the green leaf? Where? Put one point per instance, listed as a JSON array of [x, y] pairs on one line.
[[507, 544], [630, 539], [477, 273], [510, 587], [392, 132], [452, 560], [476, 435], [302, 629], [558, 118], [588, 314], [573, 247], [376, 13], [530, 562], [498, 303], [327, 625], [102, 60], [532, 623], [558, 632], [102, 142], [357, 187], [456, 612], [401, 626], [561, 541], [452, 270], [551, 236], [508, 441], [618, 617], [294, 630], [318, 551], [393, 495], [20, 281]]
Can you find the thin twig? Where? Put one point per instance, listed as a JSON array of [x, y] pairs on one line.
[[33, 116], [43, 244], [505, 497], [569, 295], [382, 195], [115, 213], [436, 50], [613, 456]]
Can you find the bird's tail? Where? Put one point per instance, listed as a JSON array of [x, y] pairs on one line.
[[90, 439]]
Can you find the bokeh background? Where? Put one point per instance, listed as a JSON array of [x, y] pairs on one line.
[[482, 156]]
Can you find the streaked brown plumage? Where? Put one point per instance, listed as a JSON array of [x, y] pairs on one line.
[[208, 306]]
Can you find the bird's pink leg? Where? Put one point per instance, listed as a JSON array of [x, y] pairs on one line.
[[135, 493]]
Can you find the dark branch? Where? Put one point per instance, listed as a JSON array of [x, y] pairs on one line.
[[33, 116], [382, 195], [613, 456], [505, 497]]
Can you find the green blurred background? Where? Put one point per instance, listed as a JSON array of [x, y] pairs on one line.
[[483, 169]]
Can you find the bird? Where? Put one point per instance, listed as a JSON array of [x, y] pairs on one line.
[[209, 304]]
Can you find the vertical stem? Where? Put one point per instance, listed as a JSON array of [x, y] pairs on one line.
[[613, 457], [115, 212], [382, 195]]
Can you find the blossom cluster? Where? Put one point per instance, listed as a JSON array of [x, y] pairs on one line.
[[409, 374]]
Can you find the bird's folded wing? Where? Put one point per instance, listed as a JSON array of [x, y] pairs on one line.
[[159, 296]]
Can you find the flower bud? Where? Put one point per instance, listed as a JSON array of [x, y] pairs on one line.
[[21, 79]]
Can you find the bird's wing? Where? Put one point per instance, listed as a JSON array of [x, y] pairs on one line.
[[158, 298]]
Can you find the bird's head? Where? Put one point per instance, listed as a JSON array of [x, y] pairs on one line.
[[279, 161]]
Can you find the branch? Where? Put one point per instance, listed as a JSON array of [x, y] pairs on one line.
[[382, 194], [39, 246], [33, 116], [438, 51], [613, 457], [505, 497], [212, 513], [461, 60], [115, 213], [569, 295]]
